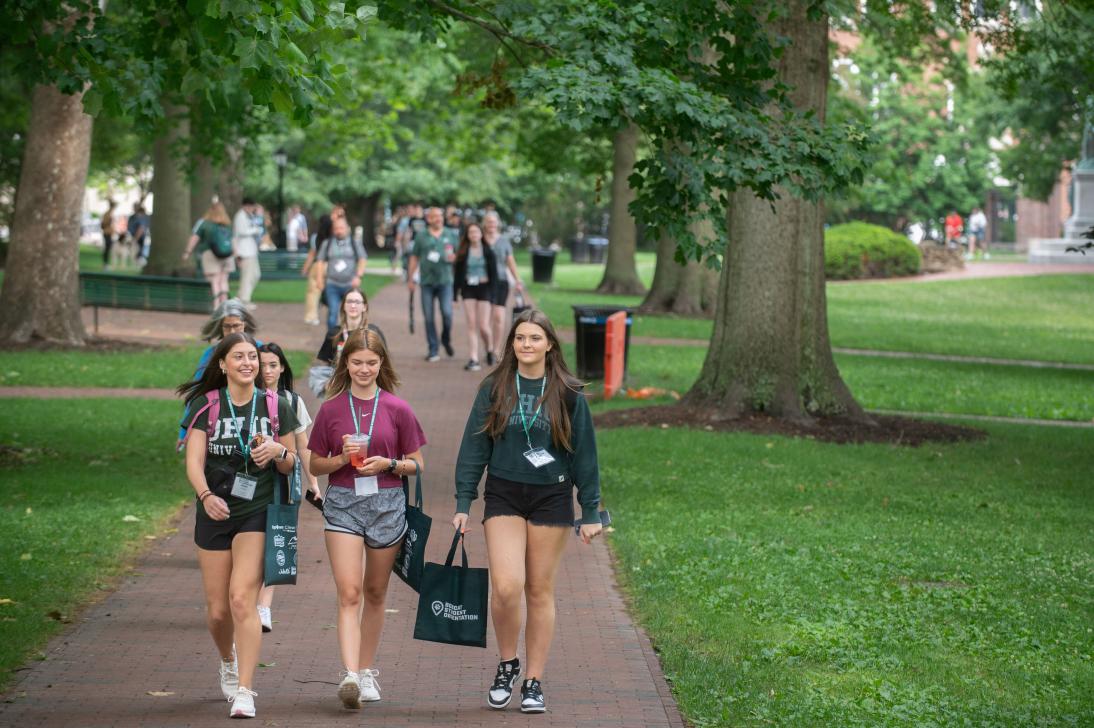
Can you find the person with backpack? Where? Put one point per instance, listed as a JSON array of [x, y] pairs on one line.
[[277, 375], [365, 438], [239, 439], [342, 262], [230, 317], [212, 237], [531, 430]]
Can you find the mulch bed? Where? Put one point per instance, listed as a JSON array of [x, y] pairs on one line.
[[840, 430], [93, 344]]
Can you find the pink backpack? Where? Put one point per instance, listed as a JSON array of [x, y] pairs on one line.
[[213, 405]]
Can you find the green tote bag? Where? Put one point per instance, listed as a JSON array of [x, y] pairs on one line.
[[281, 520], [452, 602], [410, 561]]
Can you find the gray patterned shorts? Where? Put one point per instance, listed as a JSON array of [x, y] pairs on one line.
[[380, 519]]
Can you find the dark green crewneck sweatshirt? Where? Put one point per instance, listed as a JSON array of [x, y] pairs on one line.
[[505, 456]]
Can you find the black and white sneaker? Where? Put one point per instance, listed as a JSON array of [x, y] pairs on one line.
[[472, 366], [531, 697], [501, 692]]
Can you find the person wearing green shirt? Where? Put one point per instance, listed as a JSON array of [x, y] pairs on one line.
[[233, 457], [431, 257], [531, 430]]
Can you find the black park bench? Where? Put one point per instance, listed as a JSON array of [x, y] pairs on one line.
[[281, 265], [144, 293]]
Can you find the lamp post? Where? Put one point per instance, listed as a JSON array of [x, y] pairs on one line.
[[280, 159]]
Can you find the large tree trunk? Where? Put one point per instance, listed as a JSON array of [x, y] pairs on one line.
[[770, 349], [41, 294], [203, 187], [230, 180], [683, 290], [171, 216], [621, 272]]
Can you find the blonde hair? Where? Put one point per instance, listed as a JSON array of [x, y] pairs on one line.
[[360, 340], [217, 214]]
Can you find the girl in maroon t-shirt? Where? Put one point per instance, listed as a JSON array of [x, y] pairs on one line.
[[364, 508]]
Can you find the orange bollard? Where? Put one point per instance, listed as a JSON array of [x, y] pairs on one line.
[[615, 340]]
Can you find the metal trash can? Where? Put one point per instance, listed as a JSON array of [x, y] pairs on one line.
[[543, 265], [579, 250], [598, 248], [590, 323]]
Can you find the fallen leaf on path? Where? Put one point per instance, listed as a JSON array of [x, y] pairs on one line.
[[149, 538], [267, 664], [159, 693], [391, 611], [130, 519]]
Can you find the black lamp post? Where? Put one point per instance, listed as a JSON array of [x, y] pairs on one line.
[[280, 159]]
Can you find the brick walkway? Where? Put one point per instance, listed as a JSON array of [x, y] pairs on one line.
[[149, 636]]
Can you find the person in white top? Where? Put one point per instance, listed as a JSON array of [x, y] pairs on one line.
[[245, 243], [978, 225], [296, 232]]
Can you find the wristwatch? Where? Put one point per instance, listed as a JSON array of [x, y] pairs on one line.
[[394, 464], [284, 454]]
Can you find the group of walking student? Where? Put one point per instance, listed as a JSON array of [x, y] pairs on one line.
[[245, 429]]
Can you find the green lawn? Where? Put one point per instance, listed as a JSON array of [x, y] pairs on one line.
[[1039, 317], [163, 367], [868, 585], [912, 385], [66, 534]]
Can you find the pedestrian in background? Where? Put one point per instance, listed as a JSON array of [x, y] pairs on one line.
[[107, 226], [432, 256], [473, 276], [342, 262], [245, 237], [506, 264], [212, 236]]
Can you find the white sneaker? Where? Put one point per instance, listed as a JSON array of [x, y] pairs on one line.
[[243, 704], [265, 619], [370, 688], [349, 690], [229, 676]]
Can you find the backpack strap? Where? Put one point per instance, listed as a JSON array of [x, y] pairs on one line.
[[212, 405], [271, 411]]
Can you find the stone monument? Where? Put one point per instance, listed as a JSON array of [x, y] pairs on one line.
[[1054, 250]]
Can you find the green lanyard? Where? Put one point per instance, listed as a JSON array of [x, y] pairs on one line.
[[528, 425], [244, 447], [375, 403]]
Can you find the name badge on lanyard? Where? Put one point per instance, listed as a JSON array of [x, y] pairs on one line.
[[537, 456], [244, 485], [433, 256], [365, 484]]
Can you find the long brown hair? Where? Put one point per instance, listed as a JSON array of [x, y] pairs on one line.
[[561, 384], [465, 240], [214, 378], [359, 340]]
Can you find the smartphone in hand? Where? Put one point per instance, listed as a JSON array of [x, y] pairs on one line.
[[311, 497], [605, 521]]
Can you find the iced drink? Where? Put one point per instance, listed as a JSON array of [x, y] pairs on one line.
[[358, 458]]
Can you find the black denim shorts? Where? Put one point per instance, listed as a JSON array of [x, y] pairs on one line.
[[540, 505], [217, 535]]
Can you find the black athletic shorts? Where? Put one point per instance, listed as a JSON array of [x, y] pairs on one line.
[[500, 292], [541, 505], [217, 535], [481, 292]]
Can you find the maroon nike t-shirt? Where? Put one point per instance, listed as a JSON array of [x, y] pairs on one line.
[[396, 433]]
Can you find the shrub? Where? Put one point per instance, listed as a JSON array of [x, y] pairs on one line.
[[862, 250]]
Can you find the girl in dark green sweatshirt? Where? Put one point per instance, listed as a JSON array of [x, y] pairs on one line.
[[531, 430]]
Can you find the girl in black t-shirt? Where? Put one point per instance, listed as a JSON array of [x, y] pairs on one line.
[[232, 461]]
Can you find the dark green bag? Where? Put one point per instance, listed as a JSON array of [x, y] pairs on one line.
[[281, 520], [410, 561], [452, 602]]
